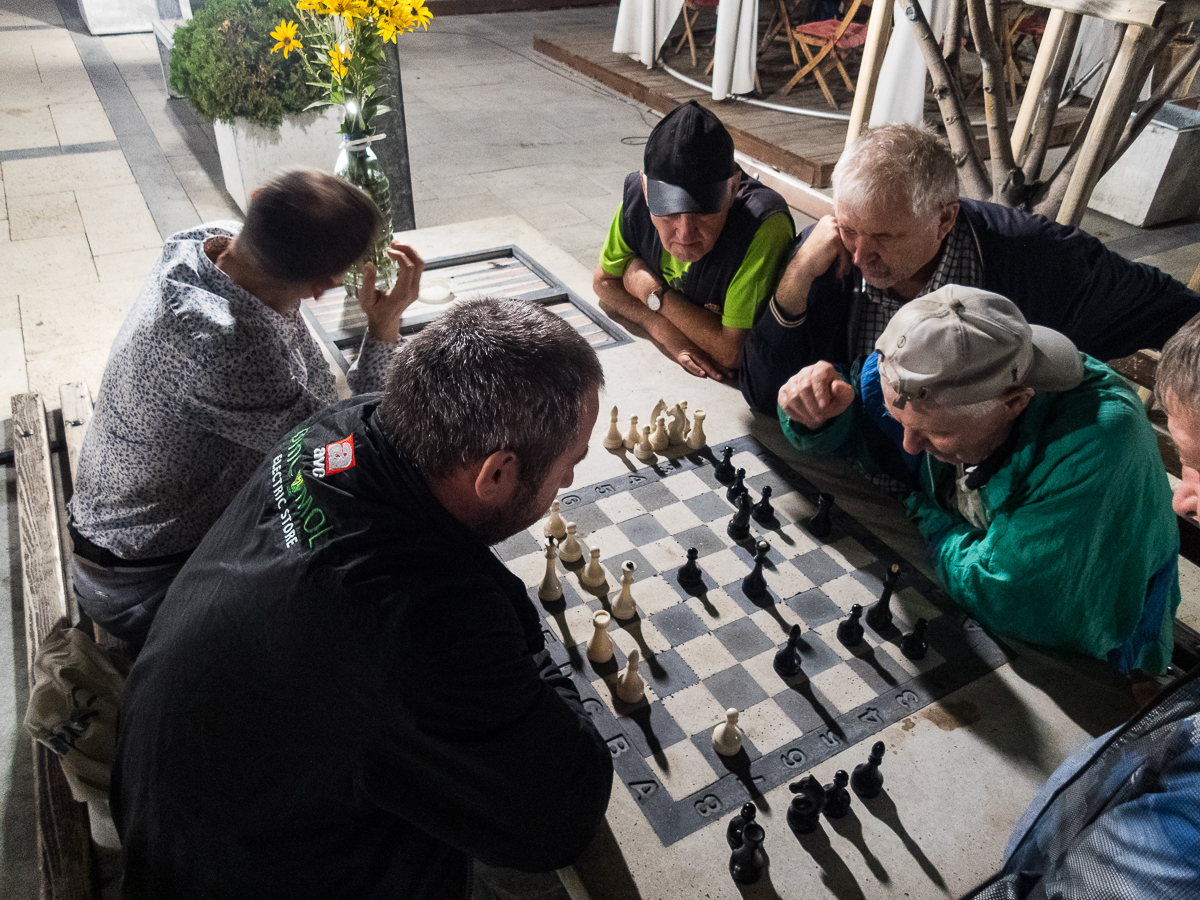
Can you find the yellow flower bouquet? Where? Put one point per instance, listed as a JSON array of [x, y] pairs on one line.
[[341, 44]]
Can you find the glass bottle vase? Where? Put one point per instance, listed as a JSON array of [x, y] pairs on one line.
[[360, 167]]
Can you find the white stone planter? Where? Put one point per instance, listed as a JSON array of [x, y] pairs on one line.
[[117, 16], [250, 154]]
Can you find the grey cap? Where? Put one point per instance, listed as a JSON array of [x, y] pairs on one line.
[[962, 345]]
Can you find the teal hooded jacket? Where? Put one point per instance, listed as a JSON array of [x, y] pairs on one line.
[[1080, 549]]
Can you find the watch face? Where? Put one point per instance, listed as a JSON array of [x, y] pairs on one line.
[[654, 301]]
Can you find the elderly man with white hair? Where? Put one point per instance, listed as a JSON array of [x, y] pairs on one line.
[[1035, 475], [899, 230]]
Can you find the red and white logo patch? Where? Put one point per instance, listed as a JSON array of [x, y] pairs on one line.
[[339, 456]]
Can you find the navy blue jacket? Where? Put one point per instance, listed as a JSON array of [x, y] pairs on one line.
[[1059, 277], [345, 694]]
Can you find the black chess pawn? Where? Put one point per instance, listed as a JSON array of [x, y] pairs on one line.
[[879, 616], [723, 471], [754, 585], [690, 575], [915, 645], [738, 486], [820, 525], [762, 511], [749, 861], [739, 526], [788, 662], [804, 812], [850, 630], [733, 833], [867, 780], [837, 798]]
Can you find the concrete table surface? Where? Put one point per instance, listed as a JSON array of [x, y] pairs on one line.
[[958, 773]]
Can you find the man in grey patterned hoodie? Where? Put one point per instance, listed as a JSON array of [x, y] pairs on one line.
[[212, 366]]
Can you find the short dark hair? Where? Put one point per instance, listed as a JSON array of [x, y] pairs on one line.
[[1177, 378], [489, 375], [304, 224]]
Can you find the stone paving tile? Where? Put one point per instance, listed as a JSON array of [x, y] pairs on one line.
[[132, 265], [52, 322], [48, 175], [101, 207], [81, 123], [23, 128], [13, 378], [44, 216], [44, 263]]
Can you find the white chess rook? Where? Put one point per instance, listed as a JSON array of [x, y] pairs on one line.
[[613, 440], [551, 587], [696, 438], [600, 647], [727, 737], [593, 575], [625, 608], [630, 687], [570, 551]]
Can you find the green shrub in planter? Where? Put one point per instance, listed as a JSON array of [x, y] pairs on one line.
[[222, 62]]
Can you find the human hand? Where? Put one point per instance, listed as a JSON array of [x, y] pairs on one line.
[[815, 394], [821, 249], [694, 360], [384, 309]]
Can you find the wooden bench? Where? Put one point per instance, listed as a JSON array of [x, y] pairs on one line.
[[67, 861]]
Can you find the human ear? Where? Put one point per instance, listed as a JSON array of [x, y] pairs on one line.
[[1015, 399], [498, 477], [947, 218]]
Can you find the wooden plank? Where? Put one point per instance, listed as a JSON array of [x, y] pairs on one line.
[[64, 836], [1149, 13], [77, 413]]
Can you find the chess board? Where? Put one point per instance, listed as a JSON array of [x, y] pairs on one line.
[[710, 649]]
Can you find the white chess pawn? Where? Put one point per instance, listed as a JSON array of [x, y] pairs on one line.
[[600, 647], [727, 737], [678, 426], [613, 440], [551, 588], [644, 451], [660, 440], [625, 608], [570, 551], [632, 438], [592, 575], [696, 438], [660, 408], [687, 425], [630, 687], [556, 527]]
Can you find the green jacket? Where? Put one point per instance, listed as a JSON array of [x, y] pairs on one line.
[[1081, 548]]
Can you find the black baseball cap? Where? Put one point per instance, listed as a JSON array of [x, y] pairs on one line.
[[688, 162]]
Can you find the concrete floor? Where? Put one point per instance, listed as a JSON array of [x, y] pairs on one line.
[[97, 166]]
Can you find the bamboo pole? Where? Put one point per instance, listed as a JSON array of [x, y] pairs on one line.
[[879, 29], [1037, 77]]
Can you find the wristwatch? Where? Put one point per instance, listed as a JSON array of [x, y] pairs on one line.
[[654, 301]]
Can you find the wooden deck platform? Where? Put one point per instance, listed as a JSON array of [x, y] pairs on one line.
[[802, 146]]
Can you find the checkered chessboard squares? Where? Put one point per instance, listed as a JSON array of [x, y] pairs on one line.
[[709, 649]]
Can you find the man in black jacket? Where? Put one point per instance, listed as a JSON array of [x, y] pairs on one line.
[[899, 231], [345, 692]]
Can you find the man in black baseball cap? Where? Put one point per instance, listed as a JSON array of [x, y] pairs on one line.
[[696, 246]]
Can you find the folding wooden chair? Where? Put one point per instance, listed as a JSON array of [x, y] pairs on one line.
[[695, 7], [833, 39]]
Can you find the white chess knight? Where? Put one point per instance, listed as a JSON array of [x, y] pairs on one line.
[[727, 737], [625, 608], [630, 687], [551, 587], [660, 409], [556, 527], [600, 647], [696, 438], [677, 430], [613, 440], [570, 551]]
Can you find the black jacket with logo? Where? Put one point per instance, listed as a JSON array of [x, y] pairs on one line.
[[346, 694]]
